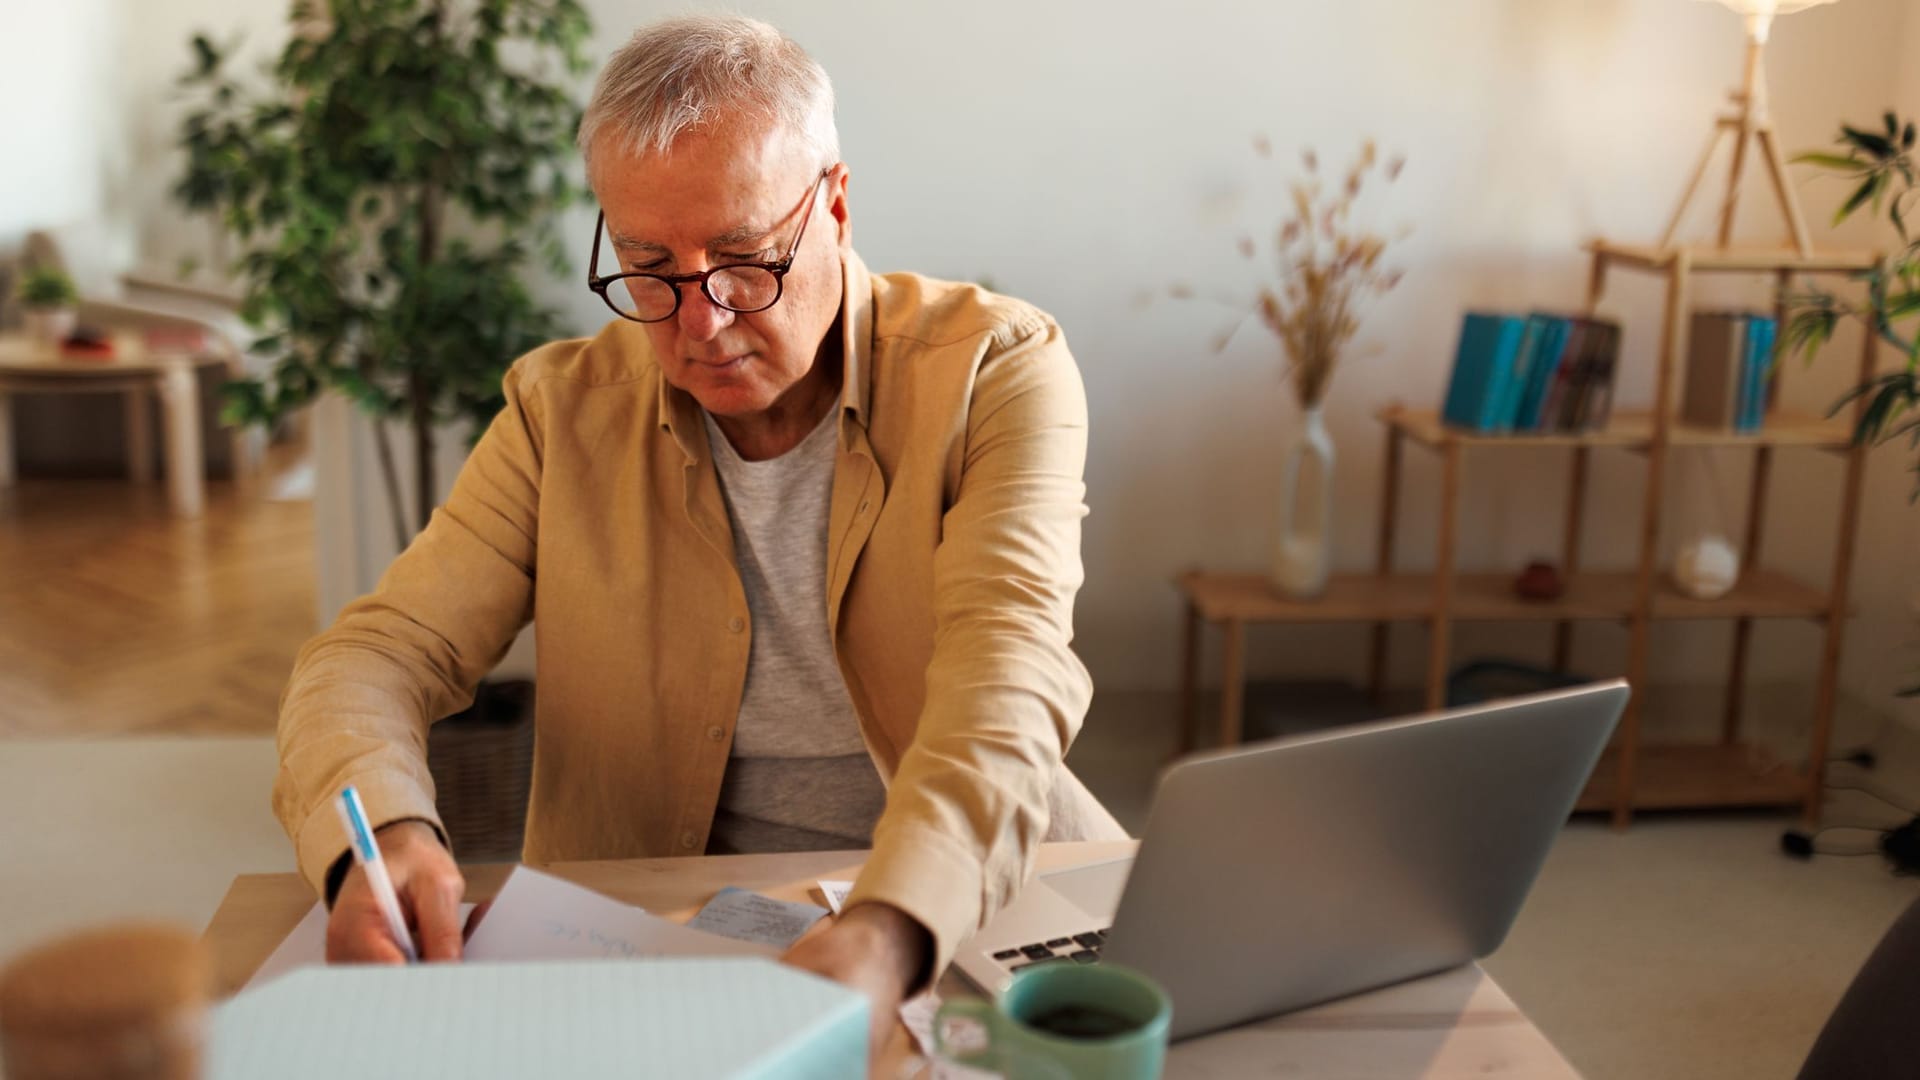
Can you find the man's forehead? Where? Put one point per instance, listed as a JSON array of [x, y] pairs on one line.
[[720, 187], [733, 236]]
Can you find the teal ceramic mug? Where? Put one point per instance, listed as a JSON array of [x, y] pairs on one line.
[[1075, 1021]]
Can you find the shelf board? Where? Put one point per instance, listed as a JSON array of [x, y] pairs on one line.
[[1784, 427], [1348, 598], [1606, 595], [1761, 594], [1425, 427], [1712, 259], [1628, 431], [1697, 777]]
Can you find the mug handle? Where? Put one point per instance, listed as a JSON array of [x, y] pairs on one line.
[[984, 1013]]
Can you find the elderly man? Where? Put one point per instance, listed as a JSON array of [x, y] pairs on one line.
[[800, 544]]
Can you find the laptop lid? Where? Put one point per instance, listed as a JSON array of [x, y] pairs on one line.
[[1308, 868]]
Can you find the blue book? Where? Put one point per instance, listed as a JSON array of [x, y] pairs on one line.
[[1549, 346], [1484, 372], [1756, 369], [741, 1019]]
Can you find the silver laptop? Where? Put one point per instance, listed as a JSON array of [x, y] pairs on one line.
[[1292, 872]]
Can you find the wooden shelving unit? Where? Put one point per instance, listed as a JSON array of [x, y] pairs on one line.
[[1633, 775]]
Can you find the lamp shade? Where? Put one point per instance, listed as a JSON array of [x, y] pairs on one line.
[[1760, 13]]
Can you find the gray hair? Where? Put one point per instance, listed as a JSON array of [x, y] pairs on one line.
[[691, 73]]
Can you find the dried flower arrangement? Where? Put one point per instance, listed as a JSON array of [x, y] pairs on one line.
[[1326, 265]]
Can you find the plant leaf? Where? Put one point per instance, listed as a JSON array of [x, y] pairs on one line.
[[1877, 145], [1859, 198], [1831, 161]]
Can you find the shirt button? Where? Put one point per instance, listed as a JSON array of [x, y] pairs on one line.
[[736, 624], [687, 839], [716, 733], [864, 503]]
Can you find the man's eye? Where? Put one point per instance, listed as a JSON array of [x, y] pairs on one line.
[[747, 257]]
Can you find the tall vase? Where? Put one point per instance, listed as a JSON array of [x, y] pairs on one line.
[[1303, 553]]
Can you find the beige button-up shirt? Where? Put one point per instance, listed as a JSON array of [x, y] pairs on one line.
[[591, 506]]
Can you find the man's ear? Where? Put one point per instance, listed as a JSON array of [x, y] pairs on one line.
[[837, 206]]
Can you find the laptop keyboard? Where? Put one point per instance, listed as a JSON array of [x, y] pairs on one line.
[[1078, 949]]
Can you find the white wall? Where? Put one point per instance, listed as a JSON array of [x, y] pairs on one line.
[[1084, 156], [61, 133]]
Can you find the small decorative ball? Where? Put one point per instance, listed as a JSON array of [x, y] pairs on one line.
[[1540, 581], [1707, 568]]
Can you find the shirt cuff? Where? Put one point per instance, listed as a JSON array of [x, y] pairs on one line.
[[322, 839], [930, 877]]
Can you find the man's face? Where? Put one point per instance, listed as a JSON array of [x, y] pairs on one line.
[[732, 195]]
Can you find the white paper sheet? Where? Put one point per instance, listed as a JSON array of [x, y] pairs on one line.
[[540, 917], [536, 917], [748, 916], [836, 893], [306, 946]]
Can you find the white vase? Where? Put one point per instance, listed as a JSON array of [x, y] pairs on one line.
[[1303, 553], [51, 326]]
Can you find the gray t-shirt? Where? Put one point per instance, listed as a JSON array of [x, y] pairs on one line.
[[799, 778]]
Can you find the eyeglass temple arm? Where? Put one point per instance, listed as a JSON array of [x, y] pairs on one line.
[[812, 197]]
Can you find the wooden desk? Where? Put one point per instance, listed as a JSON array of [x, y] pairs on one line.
[[1455, 1024], [135, 370]]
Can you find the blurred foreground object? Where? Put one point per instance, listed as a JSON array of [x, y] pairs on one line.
[[118, 1003]]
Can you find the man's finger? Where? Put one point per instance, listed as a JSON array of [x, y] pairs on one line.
[[357, 934], [436, 912]]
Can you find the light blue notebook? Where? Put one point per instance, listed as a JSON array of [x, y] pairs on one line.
[[581, 1019]]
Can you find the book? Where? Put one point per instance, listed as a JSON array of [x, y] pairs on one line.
[[1756, 374], [1715, 357], [1533, 328], [1599, 396], [1550, 347], [582, 1019], [1566, 372], [1485, 364], [1583, 379]]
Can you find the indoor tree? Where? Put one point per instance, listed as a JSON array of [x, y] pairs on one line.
[[1880, 165], [388, 189]]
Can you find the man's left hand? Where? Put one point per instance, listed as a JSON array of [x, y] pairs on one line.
[[874, 948]]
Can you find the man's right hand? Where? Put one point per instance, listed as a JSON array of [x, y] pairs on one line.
[[430, 889]]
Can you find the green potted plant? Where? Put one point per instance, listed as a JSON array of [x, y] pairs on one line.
[[51, 304], [388, 193], [1880, 164]]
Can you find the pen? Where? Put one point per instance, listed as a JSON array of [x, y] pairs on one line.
[[367, 854]]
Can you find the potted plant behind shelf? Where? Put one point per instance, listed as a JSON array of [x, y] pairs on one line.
[[388, 193], [50, 303], [1326, 268], [1885, 174]]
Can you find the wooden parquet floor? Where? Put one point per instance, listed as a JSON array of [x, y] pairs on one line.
[[117, 618]]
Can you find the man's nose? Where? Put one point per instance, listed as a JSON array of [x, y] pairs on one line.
[[701, 318]]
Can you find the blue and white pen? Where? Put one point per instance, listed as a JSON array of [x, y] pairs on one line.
[[367, 854]]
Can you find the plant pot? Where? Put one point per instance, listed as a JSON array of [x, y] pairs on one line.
[[51, 326], [1303, 552]]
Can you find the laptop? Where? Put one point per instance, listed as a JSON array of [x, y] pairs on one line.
[[1291, 872]]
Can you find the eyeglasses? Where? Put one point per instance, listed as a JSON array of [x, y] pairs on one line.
[[740, 287]]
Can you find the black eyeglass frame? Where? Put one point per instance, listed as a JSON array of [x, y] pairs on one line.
[[777, 268]]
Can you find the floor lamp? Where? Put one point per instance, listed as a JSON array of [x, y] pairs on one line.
[[1749, 122]]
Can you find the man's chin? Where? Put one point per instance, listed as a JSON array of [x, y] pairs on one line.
[[731, 402]]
